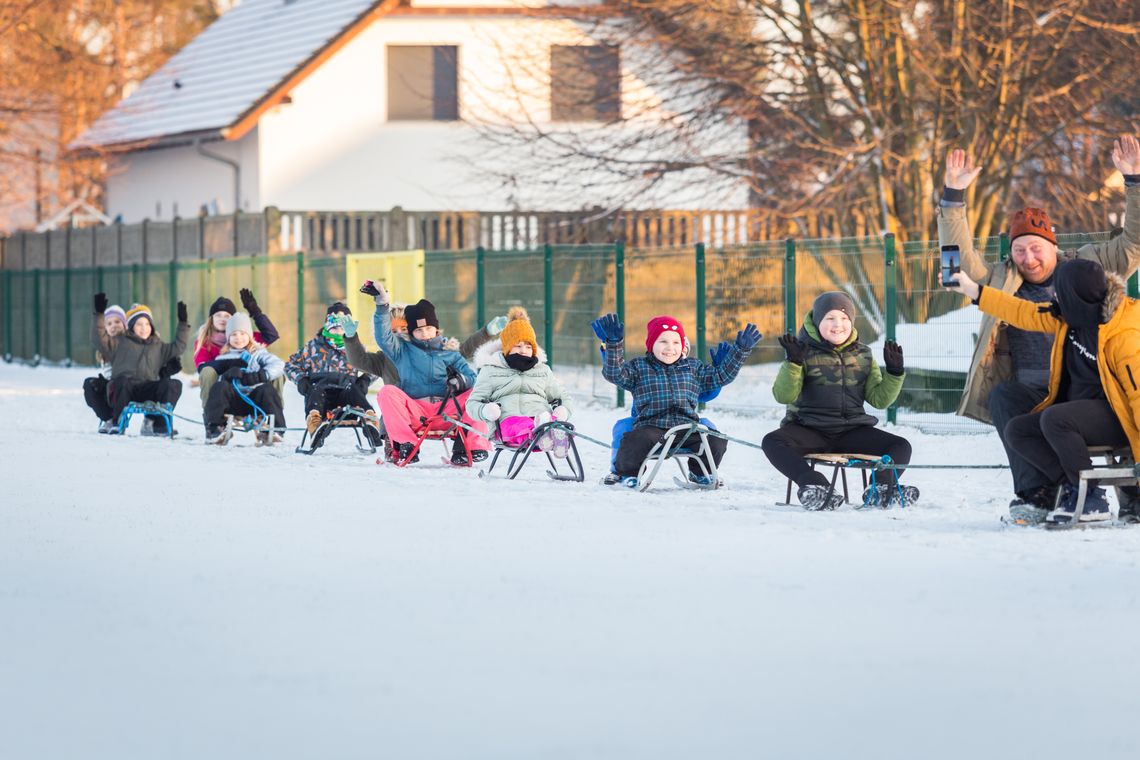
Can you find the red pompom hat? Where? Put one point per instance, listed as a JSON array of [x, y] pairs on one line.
[[658, 325]]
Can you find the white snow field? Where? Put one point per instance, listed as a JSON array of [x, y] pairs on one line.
[[171, 600]]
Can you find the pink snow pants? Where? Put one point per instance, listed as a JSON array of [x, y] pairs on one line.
[[401, 414], [514, 431]]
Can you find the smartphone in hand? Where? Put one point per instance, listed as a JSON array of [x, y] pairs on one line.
[[951, 264]]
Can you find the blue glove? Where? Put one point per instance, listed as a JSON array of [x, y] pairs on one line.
[[720, 353], [349, 325], [747, 338], [496, 325], [608, 328]]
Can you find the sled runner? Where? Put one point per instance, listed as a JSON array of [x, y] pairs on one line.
[[148, 409], [1118, 470], [368, 437], [573, 461], [257, 422], [875, 494], [671, 446]]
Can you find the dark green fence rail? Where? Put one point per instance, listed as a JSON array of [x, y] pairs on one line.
[[714, 291]]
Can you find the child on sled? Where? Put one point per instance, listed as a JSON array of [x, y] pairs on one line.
[[825, 379], [327, 378], [95, 388], [246, 361], [428, 373], [516, 390], [665, 385]]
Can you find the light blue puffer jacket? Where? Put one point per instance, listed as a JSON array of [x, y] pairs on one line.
[[423, 369]]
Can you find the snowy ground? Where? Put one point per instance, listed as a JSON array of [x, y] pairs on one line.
[[171, 600]]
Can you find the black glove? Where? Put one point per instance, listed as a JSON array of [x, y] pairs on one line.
[[456, 381], [100, 303], [233, 373], [362, 383], [1053, 308], [254, 378], [249, 302], [893, 357], [304, 385], [793, 348], [183, 316], [170, 369]]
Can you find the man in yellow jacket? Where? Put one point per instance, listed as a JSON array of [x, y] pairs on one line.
[[1093, 392], [1009, 372]]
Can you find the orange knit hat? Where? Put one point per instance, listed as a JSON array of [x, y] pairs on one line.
[[1031, 221], [518, 329]]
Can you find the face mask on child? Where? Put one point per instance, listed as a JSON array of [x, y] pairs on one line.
[[521, 363]]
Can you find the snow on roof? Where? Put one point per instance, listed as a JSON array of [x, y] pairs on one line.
[[226, 70]]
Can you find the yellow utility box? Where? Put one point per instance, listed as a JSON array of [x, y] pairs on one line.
[[402, 273]]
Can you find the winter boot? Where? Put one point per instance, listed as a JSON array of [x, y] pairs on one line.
[[218, 435], [703, 480], [372, 428], [313, 421], [1096, 506], [815, 497], [108, 427], [459, 454], [611, 479], [401, 451], [885, 495]]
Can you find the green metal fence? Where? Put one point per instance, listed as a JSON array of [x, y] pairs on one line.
[[45, 313]]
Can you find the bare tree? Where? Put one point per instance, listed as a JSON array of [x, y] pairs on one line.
[[836, 115], [62, 64]]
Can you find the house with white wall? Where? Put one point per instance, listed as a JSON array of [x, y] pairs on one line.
[[372, 104]]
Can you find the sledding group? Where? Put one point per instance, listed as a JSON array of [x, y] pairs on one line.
[[1056, 370]]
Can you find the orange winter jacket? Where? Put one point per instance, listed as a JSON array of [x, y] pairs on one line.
[[1118, 348]]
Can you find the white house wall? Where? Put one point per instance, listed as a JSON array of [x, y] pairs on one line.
[[159, 184], [332, 147]]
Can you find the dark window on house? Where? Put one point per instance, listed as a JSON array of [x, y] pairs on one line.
[[585, 83], [423, 82]]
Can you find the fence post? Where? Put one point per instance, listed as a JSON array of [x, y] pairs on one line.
[[548, 301], [481, 287], [135, 277], [700, 262], [890, 271], [790, 323], [619, 288], [37, 321], [67, 294], [237, 231], [145, 263], [300, 299], [7, 315], [1004, 246], [173, 295]]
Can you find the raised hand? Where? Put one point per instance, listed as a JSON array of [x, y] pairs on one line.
[[377, 290], [964, 285], [793, 348], [720, 353], [893, 357], [960, 170], [100, 303], [183, 315], [496, 325], [609, 328], [1126, 155], [248, 302], [349, 324], [747, 338]]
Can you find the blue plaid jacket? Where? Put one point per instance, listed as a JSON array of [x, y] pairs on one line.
[[665, 395]]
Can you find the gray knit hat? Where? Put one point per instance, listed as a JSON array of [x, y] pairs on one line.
[[239, 321], [831, 301]]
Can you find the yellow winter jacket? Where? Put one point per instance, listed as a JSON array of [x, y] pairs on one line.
[[1118, 348]]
